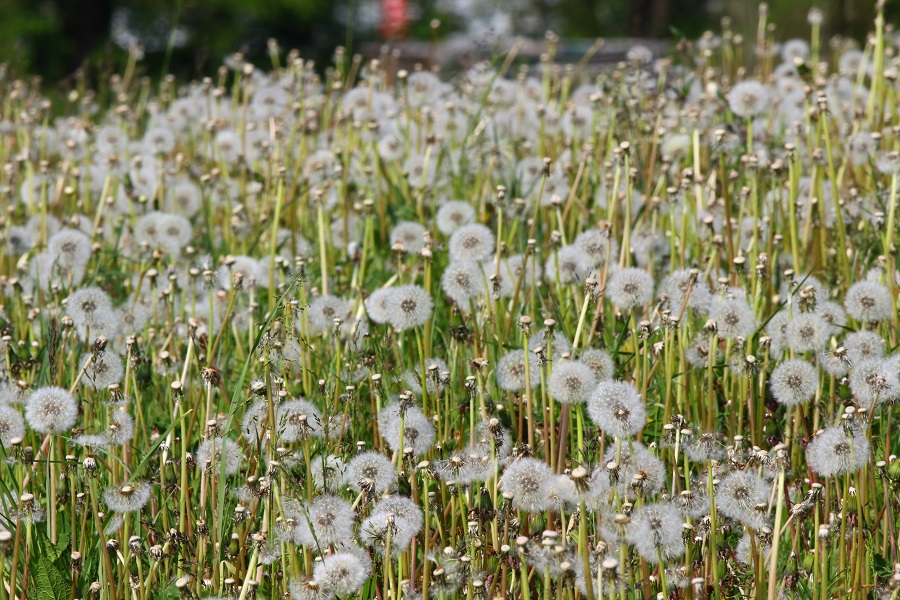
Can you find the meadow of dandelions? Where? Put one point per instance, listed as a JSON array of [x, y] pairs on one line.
[[521, 331]]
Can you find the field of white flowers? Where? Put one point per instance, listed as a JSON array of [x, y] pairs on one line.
[[524, 332]]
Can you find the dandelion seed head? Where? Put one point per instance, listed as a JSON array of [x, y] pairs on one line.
[[868, 301], [298, 420], [571, 382], [738, 494], [600, 362], [121, 428], [410, 235], [128, 498], [874, 381], [215, 451], [734, 317], [629, 288], [376, 305], [471, 242], [807, 332], [794, 382], [510, 371], [634, 459], [462, 281], [398, 513], [103, 371], [325, 521], [70, 249], [323, 310], [370, 470], [51, 410], [656, 532], [408, 306], [598, 246], [527, 480], [12, 425], [418, 432], [863, 345], [838, 450], [748, 98], [453, 215], [617, 408], [344, 573], [567, 265]]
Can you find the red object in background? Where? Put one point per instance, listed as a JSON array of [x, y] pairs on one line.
[[394, 18]]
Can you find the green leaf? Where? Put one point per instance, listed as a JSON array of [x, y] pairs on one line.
[[49, 582], [168, 593]]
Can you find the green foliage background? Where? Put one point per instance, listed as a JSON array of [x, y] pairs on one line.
[[53, 38]]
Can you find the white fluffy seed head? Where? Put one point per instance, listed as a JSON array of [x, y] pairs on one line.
[[748, 98], [838, 450], [807, 332], [738, 494], [91, 311], [51, 410], [325, 521], [418, 432], [453, 215], [863, 345], [600, 362], [344, 573], [471, 242], [463, 281], [630, 288], [370, 470], [794, 382], [571, 382], [874, 381], [214, 451], [103, 371], [598, 246], [408, 306], [510, 371], [656, 532], [298, 420], [410, 235], [527, 480], [128, 498], [567, 265], [634, 459], [70, 249], [868, 302], [12, 425], [617, 408], [733, 316], [323, 310]]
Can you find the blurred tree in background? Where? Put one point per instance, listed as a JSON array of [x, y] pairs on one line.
[[53, 38]]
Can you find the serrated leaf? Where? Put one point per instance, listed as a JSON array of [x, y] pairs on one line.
[[49, 583]]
